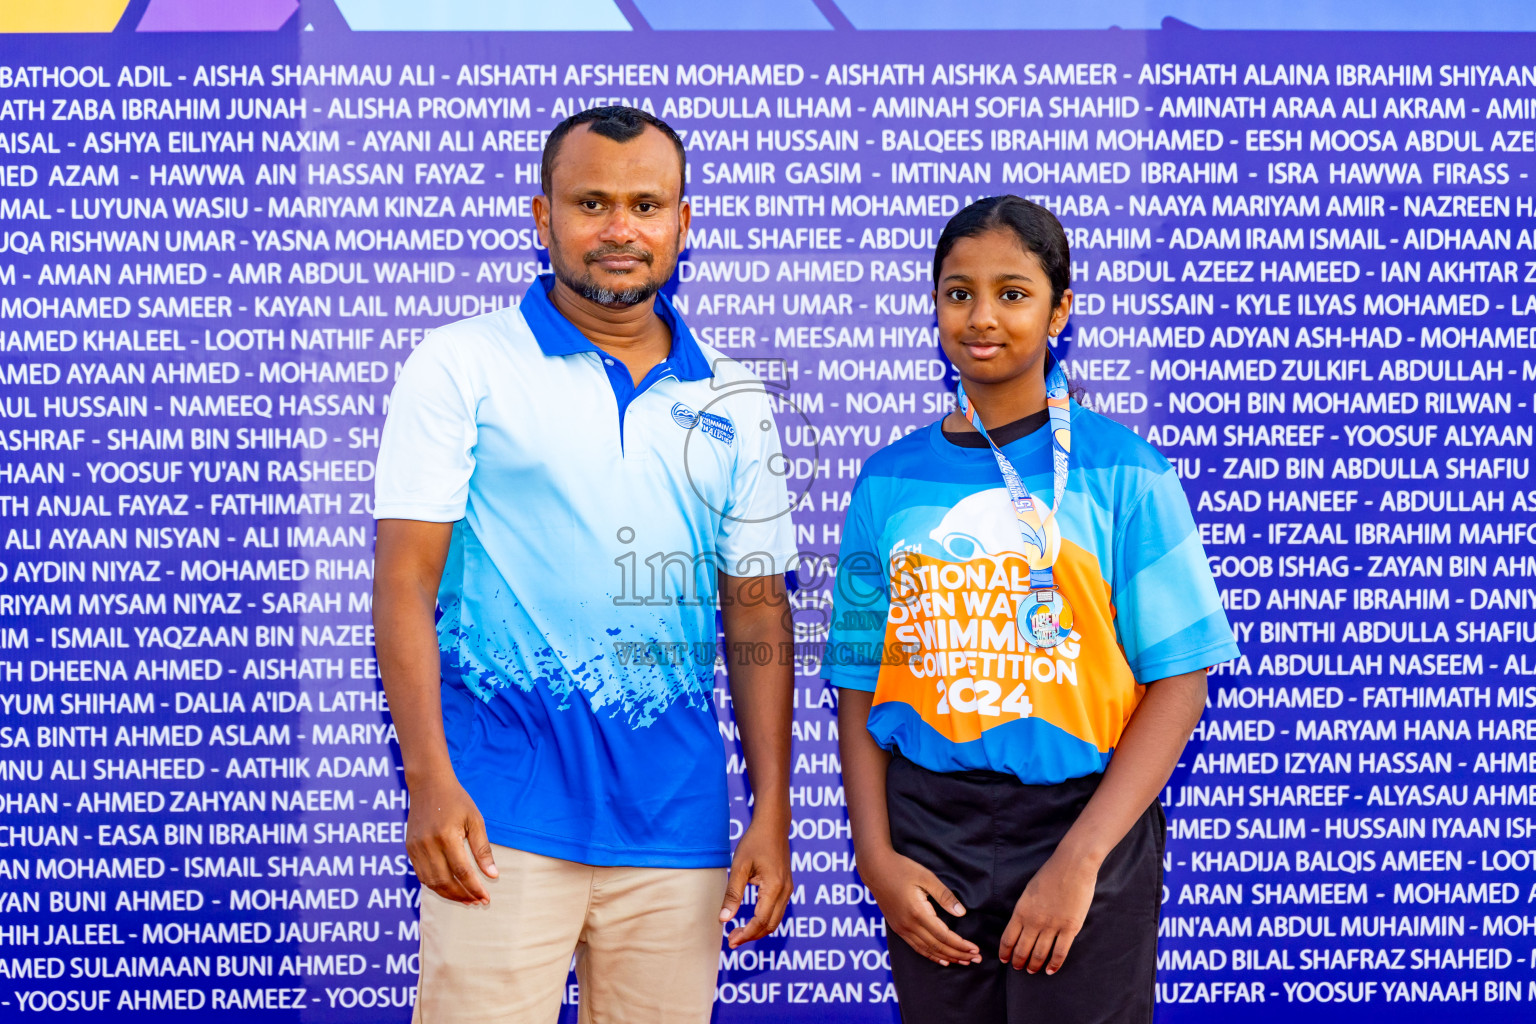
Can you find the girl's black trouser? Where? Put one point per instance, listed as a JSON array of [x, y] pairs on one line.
[[985, 834]]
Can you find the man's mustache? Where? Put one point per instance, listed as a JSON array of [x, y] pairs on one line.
[[593, 255]]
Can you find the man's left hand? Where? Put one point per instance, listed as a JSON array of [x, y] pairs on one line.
[[762, 859]]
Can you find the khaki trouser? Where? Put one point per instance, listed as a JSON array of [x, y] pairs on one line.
[[646, 942]]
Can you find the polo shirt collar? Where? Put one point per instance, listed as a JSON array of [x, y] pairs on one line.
[[557, 336]]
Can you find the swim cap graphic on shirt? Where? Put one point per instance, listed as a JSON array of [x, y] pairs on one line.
[[984, 524]]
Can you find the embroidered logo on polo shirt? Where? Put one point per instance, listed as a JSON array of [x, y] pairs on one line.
[[684, 416], [717, 427]]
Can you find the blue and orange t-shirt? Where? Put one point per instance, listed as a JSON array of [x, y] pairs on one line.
[[932, 573]]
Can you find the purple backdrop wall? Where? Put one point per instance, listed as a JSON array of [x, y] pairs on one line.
[[1305, 265]]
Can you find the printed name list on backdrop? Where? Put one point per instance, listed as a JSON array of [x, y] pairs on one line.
[[1306, 271]]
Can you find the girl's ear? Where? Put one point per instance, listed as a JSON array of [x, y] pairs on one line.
[[1060, 314]]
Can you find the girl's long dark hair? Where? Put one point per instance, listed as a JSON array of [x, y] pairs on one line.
[[1036, 228]]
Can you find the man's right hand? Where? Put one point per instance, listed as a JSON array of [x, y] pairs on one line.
[[445, 837], [902, 886], [444, 825]]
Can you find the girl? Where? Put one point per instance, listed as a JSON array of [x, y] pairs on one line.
[[1021, 594]]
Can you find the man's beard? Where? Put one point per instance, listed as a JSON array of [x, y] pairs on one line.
[[593, 292], [610, 298]]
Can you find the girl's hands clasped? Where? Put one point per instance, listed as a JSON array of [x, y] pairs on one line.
[[1050, 914], [902, 887]]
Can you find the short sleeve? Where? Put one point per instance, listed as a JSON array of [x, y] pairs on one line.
[[427, 449], [756, 536], [860, 600], [1168, 613]]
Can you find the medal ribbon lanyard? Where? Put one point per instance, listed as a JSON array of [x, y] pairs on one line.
[[1032, 526]]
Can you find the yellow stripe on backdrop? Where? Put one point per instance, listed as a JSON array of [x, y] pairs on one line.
[[61, 15]]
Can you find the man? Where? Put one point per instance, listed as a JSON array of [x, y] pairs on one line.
[[573, 482]]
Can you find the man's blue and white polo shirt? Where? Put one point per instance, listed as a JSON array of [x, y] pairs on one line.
[[590, 518]]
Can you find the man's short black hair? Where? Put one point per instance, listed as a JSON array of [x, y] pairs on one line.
[[617, 123]]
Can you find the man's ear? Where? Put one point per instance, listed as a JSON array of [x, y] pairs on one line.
[[684, 222], [541, 211]]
